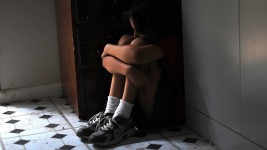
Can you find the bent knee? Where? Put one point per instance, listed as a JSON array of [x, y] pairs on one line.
[[140, 41], [126, 39]]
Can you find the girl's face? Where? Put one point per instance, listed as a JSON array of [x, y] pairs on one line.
[[136, 34]]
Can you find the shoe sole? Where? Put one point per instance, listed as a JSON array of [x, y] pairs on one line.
[[85, 139], [128, 133]]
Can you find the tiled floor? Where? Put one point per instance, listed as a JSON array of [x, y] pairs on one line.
[[50, 124]]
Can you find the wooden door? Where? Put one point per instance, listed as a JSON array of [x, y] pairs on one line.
[[66, 52]]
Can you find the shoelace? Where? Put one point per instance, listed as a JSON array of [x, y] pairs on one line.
[[105, 124], [96, 118]]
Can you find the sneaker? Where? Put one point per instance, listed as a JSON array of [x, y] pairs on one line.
[[85, 131], [113, 131]]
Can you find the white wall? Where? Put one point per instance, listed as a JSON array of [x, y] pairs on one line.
[[253, 37], [28, 45], [225, 57]]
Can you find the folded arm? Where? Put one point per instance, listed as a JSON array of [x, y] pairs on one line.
[[115, 66], [132, 54]]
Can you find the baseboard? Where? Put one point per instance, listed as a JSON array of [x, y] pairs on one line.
[[34, 92], [221, 136]]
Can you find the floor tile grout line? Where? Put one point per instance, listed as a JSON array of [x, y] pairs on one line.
[[166, 138], [2, 143], [1, 139], [61, 113], [200, 137]]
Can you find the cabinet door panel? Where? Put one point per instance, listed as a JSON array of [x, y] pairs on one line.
[[100, 11], [93, 91], [66, 52], [91, 42]]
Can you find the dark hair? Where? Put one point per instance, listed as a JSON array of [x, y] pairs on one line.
[[143, 14]]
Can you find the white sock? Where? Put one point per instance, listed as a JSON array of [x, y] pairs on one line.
[[124, 109], [112, 104]]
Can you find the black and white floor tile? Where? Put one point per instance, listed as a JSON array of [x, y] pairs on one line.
[[50, 124]]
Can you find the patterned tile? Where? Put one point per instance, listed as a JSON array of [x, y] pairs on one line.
[[72, 118], [165, 145], [179, 142], [17, 131], [12, 121], [76, 124], [134, 146], [60, 103], [62, 126], [36, 131], [80, 147], [45, 116], [24, 104], [44, 144], [21, 142], [58, 136], [170, 147], [32, 121], [153, 146], [4, 115], [6, 127], [24, 111], [53, 113], [40, 108], [67, 147], [72, 140], [56, 118], [175, 131], [190, 140], [38, 136], [52, 125], [49, 104], [153, 136], [14, 147], [9, 112], [9, 135], [8, 141], [66, 132], [206, 145], [131, 140]]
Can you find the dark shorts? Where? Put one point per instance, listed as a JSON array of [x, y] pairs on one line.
[[164, 109]]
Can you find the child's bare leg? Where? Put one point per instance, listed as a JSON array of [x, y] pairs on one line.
[[147, 94], [117, 83], [127, 102], [116, 92], [130, 90]]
